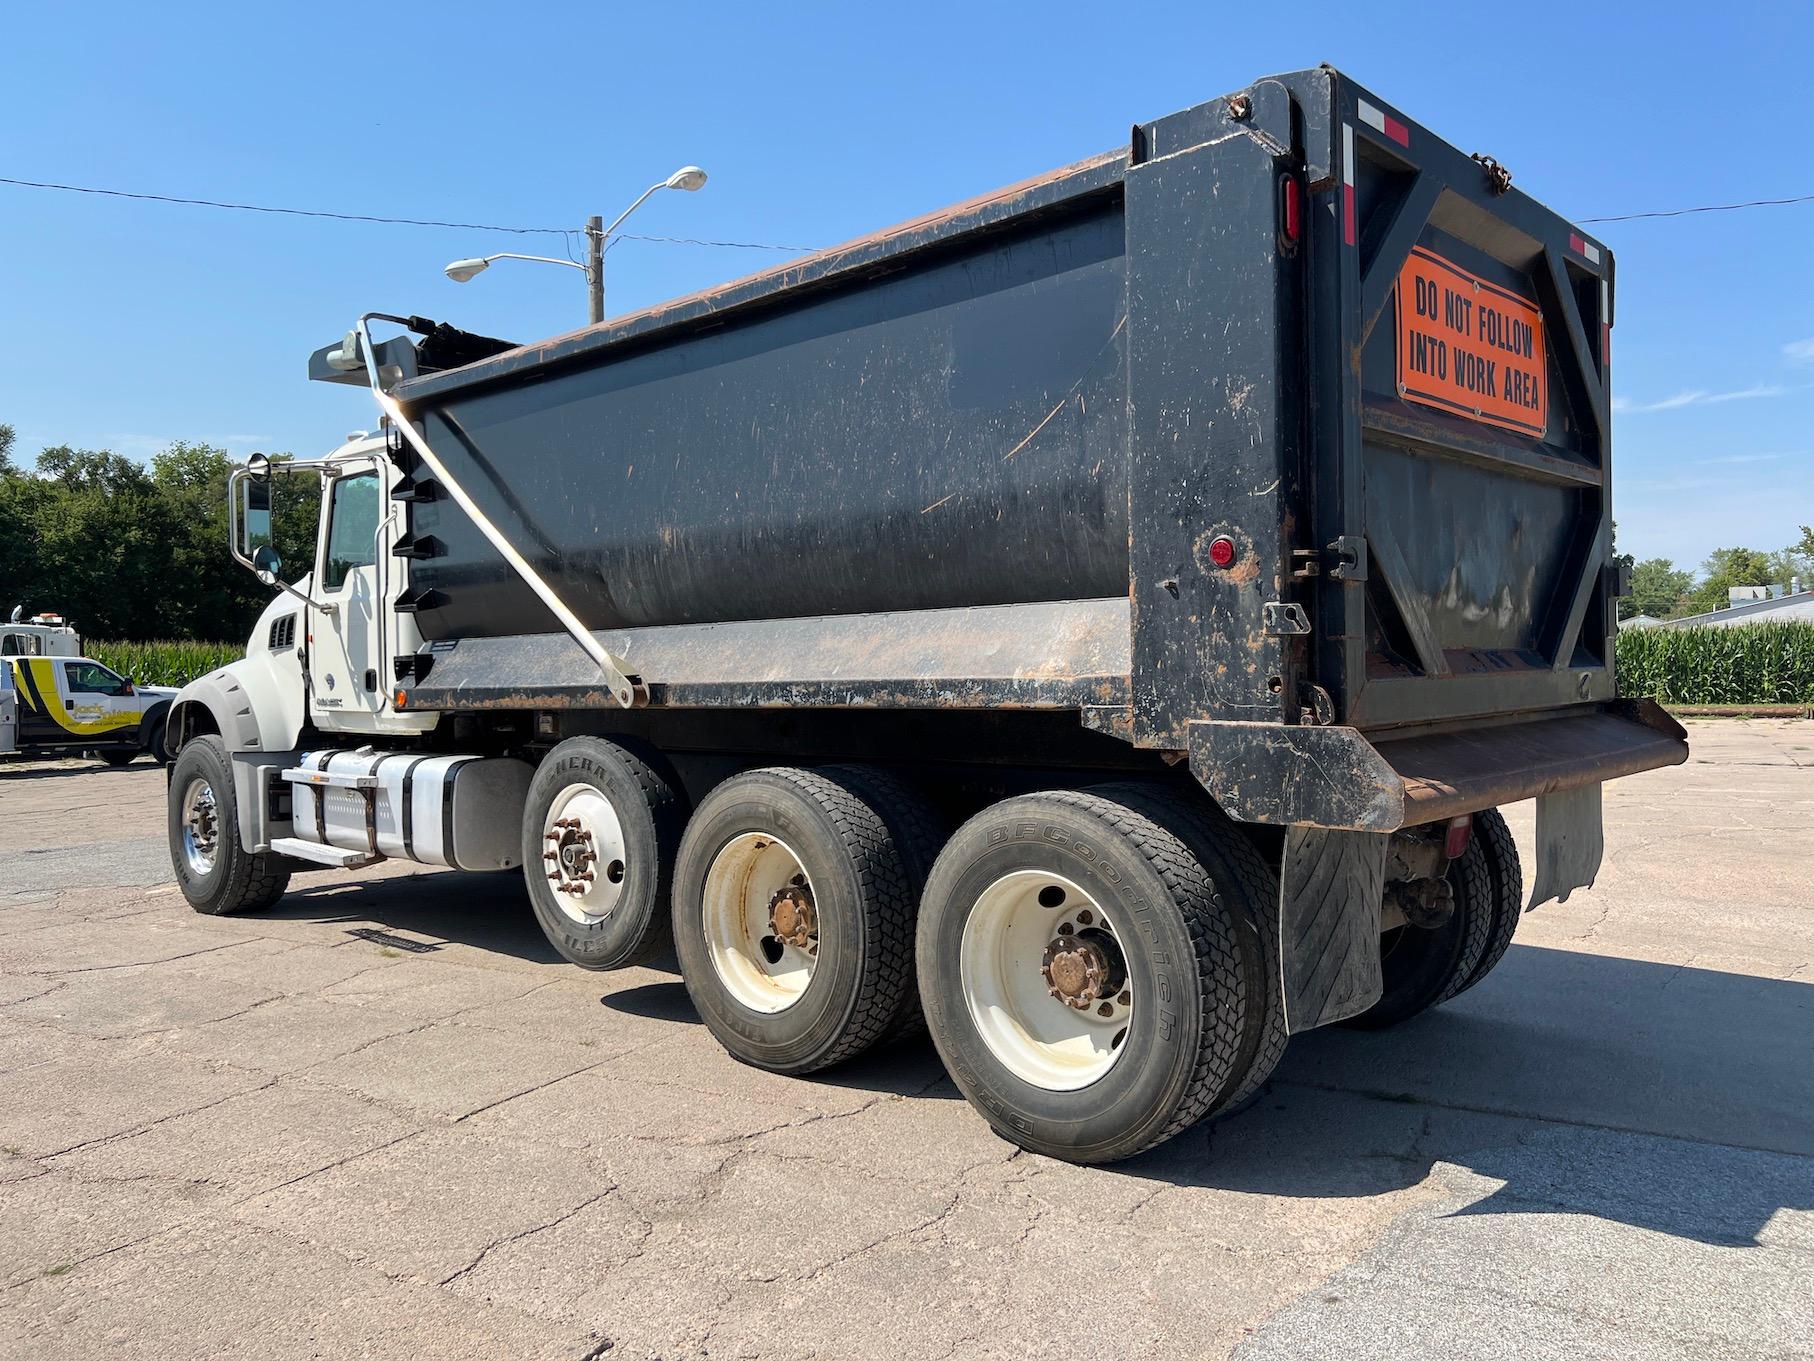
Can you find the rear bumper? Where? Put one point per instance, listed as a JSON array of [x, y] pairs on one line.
[[1337, 777]]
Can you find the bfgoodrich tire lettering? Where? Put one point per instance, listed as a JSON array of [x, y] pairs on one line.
[[1189, 1030]]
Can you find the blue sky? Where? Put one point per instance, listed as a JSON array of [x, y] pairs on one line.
[[127, 325]]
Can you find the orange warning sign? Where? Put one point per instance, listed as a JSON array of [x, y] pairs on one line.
[[1469, 346]]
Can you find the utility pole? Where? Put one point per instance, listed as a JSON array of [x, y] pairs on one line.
[[595, 269], [688, 178]]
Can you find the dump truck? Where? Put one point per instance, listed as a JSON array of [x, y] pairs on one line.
[[1096, 624]]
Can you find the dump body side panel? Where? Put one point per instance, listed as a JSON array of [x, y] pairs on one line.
[[949, 431]]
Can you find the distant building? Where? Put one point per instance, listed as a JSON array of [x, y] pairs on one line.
[[1758, 605], [1640, 621]]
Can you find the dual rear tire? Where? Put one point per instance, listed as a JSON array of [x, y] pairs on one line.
[[1098, 969], [1094, 969], [1425, 967]]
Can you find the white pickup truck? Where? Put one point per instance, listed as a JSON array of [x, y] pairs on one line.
[[71, 704]]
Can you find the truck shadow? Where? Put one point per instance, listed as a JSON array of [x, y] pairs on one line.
[[438, 907], [1666, 1097]]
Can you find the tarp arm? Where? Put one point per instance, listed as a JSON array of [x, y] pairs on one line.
[[627, 689]]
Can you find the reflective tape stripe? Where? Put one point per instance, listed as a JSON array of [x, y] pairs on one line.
[[1350, 231], [1383, 123]]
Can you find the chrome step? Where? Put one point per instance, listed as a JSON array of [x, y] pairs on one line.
[[314, 851]]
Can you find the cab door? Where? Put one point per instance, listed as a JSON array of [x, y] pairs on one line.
[[99, 701], [74, 703], [346, 678]]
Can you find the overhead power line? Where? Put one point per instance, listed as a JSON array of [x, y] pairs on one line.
[[389, 221], [1709, 208], [693, 240]]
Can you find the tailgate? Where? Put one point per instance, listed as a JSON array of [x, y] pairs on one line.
[[1470, 421]]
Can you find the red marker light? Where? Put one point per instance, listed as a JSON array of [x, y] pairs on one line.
[[1222, 551], [1461, 832], [1291, 213]]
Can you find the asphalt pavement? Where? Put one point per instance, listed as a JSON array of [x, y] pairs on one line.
[[384, 1119]]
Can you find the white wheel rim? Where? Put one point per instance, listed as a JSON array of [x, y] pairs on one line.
[[757, 967], [201, 827], [1003, 966], [583, 854]]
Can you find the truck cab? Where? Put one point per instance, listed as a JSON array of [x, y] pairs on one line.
[[43, 635]]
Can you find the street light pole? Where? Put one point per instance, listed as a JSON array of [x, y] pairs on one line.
[[688, 178], [595, 269]]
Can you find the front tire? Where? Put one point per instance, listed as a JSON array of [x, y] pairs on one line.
[[216, 874], [116, 757], [1082, 972]]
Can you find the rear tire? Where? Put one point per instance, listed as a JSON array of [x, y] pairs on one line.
[[117, 757], [918, 833], [607, 905], [1507, 877], [793, 917], [216, 874], [1423, 967], [1169, 1021]]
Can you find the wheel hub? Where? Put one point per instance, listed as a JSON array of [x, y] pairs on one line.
[[570, 856], [583, 853], [201, 827], [791, 918], [1077, 970]]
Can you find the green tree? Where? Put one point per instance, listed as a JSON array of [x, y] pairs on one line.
[[1657, 588], [1724, 569], [132, 553], [223, 600]]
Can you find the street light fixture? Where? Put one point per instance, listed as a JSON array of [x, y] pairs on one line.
[[689, 178], [462, 271]]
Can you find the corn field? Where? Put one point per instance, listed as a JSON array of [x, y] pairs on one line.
[[163, 663], [1741, 664]]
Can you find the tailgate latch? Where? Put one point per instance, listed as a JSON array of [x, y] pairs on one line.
[[1348, 556]]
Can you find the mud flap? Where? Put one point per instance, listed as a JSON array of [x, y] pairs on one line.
[[1329, 903], [1570, 843]]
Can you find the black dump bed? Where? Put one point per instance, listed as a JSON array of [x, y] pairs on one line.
[[1279, 436]]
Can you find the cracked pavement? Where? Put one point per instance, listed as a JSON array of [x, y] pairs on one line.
[[384, 1119]]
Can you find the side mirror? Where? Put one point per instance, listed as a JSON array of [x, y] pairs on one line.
[[255, 515], [266, 563]]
